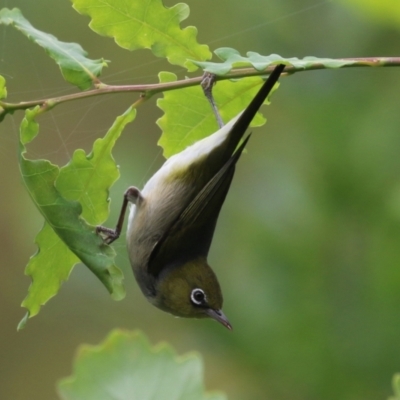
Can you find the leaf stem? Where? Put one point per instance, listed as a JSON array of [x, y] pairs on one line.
[[149, 90]]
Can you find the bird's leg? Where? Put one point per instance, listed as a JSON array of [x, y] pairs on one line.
[[132, 195], [207, 84]]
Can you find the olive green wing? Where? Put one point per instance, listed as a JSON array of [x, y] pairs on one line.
[[190, 235]]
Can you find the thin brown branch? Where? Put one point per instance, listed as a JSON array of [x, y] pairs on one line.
[[149, 90]]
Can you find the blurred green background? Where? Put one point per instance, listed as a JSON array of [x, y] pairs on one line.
[[307, 247]]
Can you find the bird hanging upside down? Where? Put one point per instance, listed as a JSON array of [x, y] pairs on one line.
[[172, 220]]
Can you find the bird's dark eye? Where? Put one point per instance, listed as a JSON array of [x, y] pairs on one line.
[[198, 297]]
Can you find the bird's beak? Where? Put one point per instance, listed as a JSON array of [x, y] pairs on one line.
[[219, 316]]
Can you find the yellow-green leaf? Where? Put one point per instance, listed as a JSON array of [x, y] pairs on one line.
[[188, 116], [146, 24], [71, 199], [3, 89]]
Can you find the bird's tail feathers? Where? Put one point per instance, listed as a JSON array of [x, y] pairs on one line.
[[245, 118]]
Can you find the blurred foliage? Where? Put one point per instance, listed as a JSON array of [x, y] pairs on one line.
[[396, 387], [385, 11], [307, 246], [126, 367]]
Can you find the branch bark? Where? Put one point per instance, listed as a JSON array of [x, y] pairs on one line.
[[149, 90]]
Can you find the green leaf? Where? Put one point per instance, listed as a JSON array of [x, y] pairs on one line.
[[126, 367], [3, 89], [146, 24], [396, 387], [232, 59], [188, 116], [3, 95], [386, 12], [75, 67], [49, 267], [69, 198]]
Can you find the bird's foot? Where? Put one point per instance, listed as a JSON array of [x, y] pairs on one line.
[[107, 234], [207, 83]]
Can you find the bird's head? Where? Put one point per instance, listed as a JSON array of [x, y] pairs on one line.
[[191, 290]]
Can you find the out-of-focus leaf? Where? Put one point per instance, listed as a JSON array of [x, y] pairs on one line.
[[396, 387], [188, 116], [232, 59], [3, 95], [69, 198], [126, 367], [383, 11], [3, 89], [146, 24], [75, 67]]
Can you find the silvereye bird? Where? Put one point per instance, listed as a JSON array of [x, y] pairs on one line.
[[172, 220]]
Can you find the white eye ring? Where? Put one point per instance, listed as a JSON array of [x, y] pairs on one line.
[[198, 297]]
